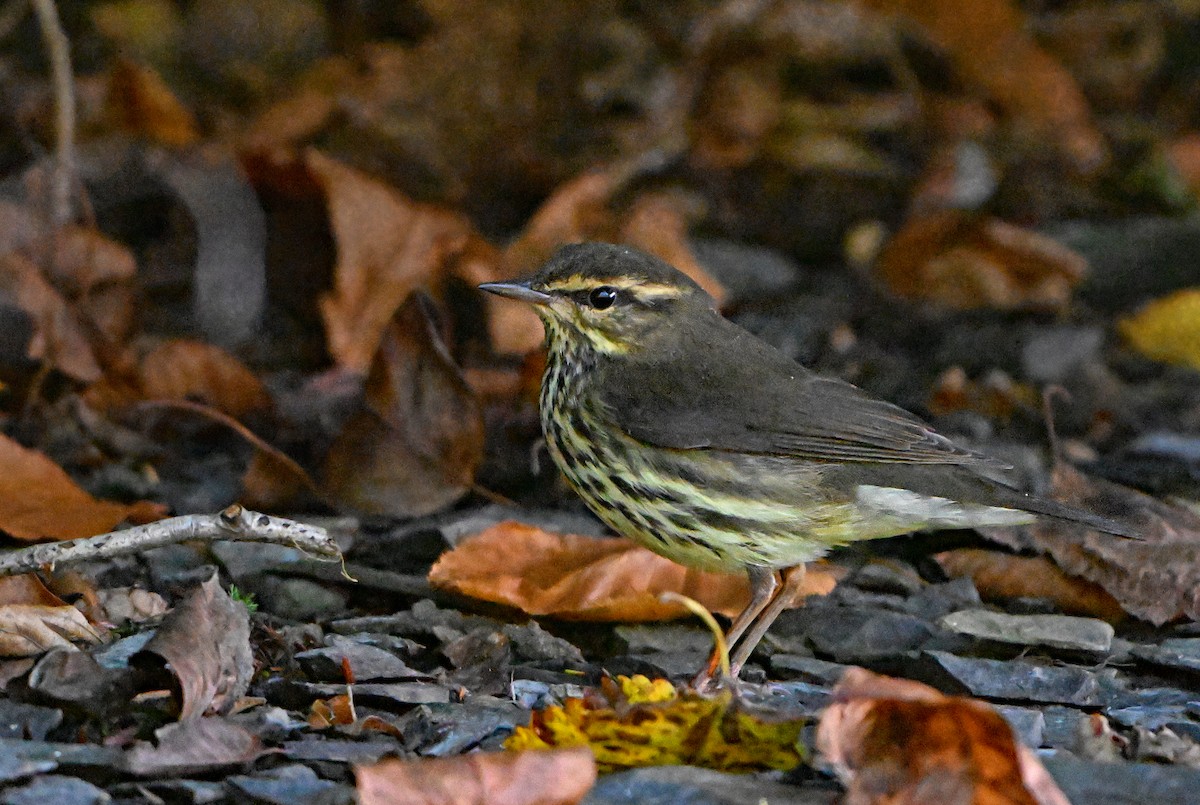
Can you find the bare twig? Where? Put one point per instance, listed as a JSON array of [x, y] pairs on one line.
[[235, 523], [58, 50]]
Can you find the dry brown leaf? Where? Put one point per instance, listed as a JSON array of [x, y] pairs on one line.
[[1184, 154], [205, 643], [27, 589], [990, 44], [193, 370], [27, 630], [58, 339], [574, 212], [273, 480], [80, 303], [191, 747], [417, 446], [904, 743], [551, 777], [339, 711], [961, 260], [996, 395], [1156, 578], [388, 246], [1000, 576], [575, 577], [38, 500], [142, 104]]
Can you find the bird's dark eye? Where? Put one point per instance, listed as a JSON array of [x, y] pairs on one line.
[[602, 297]]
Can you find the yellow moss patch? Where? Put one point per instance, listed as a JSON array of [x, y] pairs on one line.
[[1168, 329], [639, 722]]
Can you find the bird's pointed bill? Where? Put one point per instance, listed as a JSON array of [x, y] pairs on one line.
[[517, 290]]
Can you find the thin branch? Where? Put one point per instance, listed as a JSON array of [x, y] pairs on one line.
[[235, 523], [58, 50]]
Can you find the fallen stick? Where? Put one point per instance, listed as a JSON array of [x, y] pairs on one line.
[[234, 523]]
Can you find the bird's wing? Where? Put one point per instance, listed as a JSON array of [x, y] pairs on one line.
[[727, 390]]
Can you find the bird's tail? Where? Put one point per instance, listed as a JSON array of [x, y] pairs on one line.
[[1071, 514]]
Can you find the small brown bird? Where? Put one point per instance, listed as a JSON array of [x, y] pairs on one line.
[[687, 434]]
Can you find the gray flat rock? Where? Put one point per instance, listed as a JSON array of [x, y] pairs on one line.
[[58, 790], [366, 662], [1089, 783], [289, 785], [1028, 725], [1052, 631], [382, 693], [1176, 653], [689, 785], [1016, 680]]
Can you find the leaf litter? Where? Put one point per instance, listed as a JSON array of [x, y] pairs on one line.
[[461, 149]]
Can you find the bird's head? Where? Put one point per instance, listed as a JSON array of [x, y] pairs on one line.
[[613, 297]]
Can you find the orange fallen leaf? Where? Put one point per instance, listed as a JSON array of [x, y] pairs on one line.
[[38, 500], [551, 777], [181, 369], [1000, 576], [338, 711], [1184, 154], [990, 44], [388, 246], [658, 223], [141, 103], [965, 261], [903, 743], [27, 589], [996, 395], [575, 577]]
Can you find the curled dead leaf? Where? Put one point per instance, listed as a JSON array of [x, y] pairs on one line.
[[205, 644], [76, 286], [416, 447], [575, 577], [196, 746], [990, 44], [142, 104], [965, 261], [898, 741]]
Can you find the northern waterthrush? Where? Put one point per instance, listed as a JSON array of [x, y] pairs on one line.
[[696, 439]]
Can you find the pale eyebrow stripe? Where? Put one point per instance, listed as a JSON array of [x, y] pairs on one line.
[[644, 290]]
